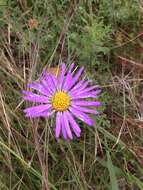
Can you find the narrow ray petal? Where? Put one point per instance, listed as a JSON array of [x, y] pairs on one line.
[[86, 110], [37, 109], [68, 77], [73, 124], [76, 78], [92, 94], [39, 87], [51, 80], [64, 132], [89, 89], [67, 127], [58, 125], [32, 97], [86, 103], [46, 113], [62, 73], [79, 86], [48, 83], [83, 96], [82, 116]]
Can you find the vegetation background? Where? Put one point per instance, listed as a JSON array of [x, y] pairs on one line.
[[106, 36]]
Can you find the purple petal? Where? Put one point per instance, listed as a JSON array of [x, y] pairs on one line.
[[86, 103], [95, 92], [79, 86], [41, 114], [84, 90], [76, 77], [68, 77], [66, 126], [54, 80], [39, 87], [82, 116], [92, 94], [70, 68], [35, 110], [73, 124], [58, 124], [64, 133], [49, 83], [87, 89], [61, 78], [34, 97], [86, 110], [44, 74]]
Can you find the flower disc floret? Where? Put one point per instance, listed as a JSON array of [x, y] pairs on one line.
[[61, 101]]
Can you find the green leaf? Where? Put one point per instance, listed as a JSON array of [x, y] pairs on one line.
[[3, 2], [111, 169]]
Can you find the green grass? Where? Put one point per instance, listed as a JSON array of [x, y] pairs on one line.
[[104, 37]]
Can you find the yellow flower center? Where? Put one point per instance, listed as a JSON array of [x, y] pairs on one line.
[[61, 101]]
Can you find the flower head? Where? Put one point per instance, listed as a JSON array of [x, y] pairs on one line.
[[32, 23], [68, 95]]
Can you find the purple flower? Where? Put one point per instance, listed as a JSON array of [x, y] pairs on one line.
[[66, 95]]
